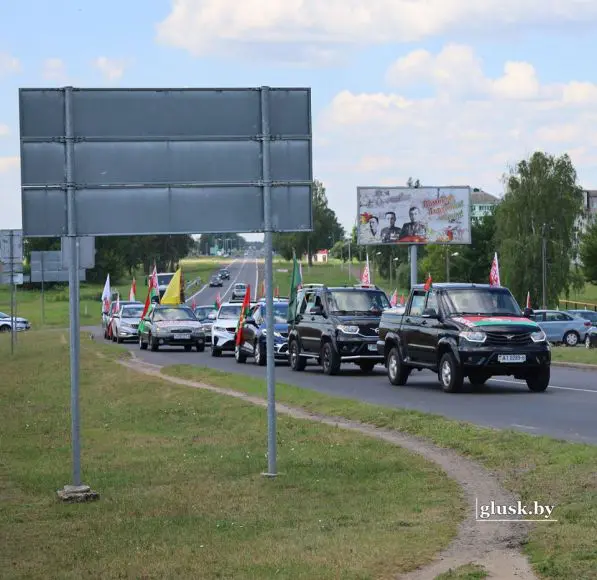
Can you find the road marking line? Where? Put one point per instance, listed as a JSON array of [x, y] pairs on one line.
[[242, 267], [523, 426], [550, 386], [207, 285]]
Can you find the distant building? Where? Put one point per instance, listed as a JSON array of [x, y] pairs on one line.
[[482, 203], [590, 209], [320, 257]]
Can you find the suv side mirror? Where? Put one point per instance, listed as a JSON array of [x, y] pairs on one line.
[[250, 320], [430, 313], [316, 311], [528, 312]]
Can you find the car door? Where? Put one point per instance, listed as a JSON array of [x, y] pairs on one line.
[[250, 329], [553, 325], [426, 334], [411, 327], [308, 336], [317, 321]]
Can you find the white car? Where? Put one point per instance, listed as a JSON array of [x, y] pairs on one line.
[[238, 291], [125, 323], [223, 329], [6, 322]]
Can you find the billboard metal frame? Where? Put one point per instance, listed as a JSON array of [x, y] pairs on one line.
[[69, 196]]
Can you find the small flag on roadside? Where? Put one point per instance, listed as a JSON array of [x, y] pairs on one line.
[[494, 273], [428, 283]]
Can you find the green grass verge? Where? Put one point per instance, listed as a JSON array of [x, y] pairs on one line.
[[178, 471], [535, 468], [577, 354], [467, 572]]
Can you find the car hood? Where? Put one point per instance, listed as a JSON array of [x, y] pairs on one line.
[[16, 319], [179, 323], [130, 321], [496, 323], [278, 327]]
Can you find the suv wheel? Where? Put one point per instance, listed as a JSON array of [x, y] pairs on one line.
[[260, 354], [297, 362], [571, 338], [450, 374], [142, 345], [539, 381], [239, 355], [367, 366], [330, 359], [397, 372], [153, 343]]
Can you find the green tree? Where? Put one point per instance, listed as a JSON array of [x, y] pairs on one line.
[[542, 199], [413, 182], [588, 253], [326, 230]]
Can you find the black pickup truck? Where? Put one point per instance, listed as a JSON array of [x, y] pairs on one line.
[[464, 330]]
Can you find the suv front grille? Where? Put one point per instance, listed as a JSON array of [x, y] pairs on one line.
[[501, 339], [367, 331], [181, 331]]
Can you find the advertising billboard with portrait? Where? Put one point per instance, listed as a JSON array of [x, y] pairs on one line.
[[409, 215]]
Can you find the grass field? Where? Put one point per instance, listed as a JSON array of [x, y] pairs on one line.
[[178, 471], [535, 468], [575, 355]]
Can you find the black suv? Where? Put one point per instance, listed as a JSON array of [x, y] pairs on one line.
[[464, 330], [335, 325]]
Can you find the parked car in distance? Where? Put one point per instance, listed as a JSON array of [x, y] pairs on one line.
[[114, 308], [238, 291], [171, 326], [464, 330], [336, 325], [125, 322], [254, 334], [562, 327], [224, 273], [215, 281], [206, 315], [589, 315], [6, 323]]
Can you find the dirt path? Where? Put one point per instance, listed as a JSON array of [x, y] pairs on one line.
[[493, 545]]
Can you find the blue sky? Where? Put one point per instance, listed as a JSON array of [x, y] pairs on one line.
[[447, 115]]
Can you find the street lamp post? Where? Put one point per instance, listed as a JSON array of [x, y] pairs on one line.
[[448, 264], [544, 265]]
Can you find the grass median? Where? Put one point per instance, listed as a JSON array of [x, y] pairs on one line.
[[181, 492], [538, 469], [577, 354]]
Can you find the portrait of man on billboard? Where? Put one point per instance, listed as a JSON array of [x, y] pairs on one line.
[[413, 230], [373, 225], [391, 233]]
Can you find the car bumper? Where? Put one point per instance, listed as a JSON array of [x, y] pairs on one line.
[[223, 340], [280, 349], [487, 359], [128, 335], [173, 340], [358, 349]]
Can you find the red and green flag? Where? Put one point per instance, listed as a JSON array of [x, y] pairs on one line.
[[244, 312], [152, 292], [218, 302]]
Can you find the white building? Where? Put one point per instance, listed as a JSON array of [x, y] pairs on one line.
[[482, 203]]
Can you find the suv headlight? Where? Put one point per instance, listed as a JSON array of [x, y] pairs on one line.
[[473, 336], [276, 333], [538, 336], [348, 329]]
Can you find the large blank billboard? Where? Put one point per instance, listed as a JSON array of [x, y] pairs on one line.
[[165, 161], [409, 215]]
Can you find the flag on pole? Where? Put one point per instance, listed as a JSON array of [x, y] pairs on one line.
[[218, 302], [296, 280], [172, 294], [117, 305], [300, 275], [277, 292], [262, 289], [193, 304], [402, 300], [494, 273], [394, 299], [528, 300], [133, 292], [244, 312], [152, 292], [107, 295], [428, 283], [366, 276]]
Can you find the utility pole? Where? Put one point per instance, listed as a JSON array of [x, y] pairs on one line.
[[447, 263], [544, 265]]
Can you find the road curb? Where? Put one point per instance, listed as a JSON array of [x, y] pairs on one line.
[[572, 365]]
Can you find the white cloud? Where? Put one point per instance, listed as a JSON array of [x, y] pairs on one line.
[[8, 64], [8, 163], [54, 69], [4, 130], [111, 69], [10, 193], [328, 27], [468, 132]]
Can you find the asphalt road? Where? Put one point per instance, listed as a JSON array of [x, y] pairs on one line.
[[567, 410]]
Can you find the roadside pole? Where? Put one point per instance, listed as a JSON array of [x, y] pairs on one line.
[[413, 265]]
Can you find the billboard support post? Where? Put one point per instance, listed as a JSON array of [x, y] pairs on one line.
[[13, 314], [413, 265], [43, 305], [269, 285]]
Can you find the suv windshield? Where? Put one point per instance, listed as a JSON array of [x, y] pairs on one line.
[[164, 279], [203, 312], [229, 312], [132, 312], [481, 302], [357, 301], [173, 314], [280, 313]]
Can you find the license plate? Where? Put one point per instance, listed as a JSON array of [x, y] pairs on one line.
[[512, 358], [372, 347], [182, 336]]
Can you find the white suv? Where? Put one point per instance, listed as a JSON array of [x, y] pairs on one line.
[[238, 291], [223, 329]]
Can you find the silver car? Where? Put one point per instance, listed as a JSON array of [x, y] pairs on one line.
[[223, 331], [238, 291], [125, 323], [6, 323], [171, 326], [206, 316], [562, 327]]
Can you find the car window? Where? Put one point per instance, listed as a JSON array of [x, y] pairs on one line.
[[229, 312], [417, 304], [307, 300], [555, 317], [432, 300], [164, 314]]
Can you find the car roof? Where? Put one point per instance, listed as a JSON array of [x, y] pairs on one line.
[[455, 286]]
